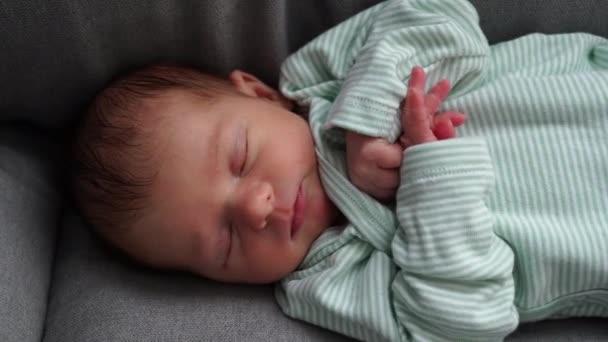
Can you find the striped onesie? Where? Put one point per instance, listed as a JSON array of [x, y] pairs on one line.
[[507, 223]]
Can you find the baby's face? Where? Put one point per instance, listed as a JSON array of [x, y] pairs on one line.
[[238, 196]]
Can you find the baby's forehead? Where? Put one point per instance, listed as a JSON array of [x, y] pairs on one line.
[[166, 108]]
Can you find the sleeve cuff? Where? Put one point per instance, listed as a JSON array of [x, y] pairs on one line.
[[366, 116], [458, 155]]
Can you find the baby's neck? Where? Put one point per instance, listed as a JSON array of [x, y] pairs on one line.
[[338, 218]]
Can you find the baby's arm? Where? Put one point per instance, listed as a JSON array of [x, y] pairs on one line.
[[373, 163], [362, 67], [454, 278]]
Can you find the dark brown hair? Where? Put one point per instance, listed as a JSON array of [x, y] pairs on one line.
[[113, 163]]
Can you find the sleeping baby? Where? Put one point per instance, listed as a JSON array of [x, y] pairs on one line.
[[371, 216]]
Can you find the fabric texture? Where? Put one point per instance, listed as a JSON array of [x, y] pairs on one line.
[[506, 223], [29, 208]]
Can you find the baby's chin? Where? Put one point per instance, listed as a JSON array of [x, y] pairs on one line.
[[259, 273], [253, 279], [271, 274]]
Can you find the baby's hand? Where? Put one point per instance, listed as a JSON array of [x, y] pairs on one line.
[[373, 165], [420, 118]]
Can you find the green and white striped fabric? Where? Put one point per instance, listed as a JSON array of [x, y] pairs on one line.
[[506, 223]]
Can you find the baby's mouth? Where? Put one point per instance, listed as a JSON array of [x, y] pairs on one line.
[[299, 206]]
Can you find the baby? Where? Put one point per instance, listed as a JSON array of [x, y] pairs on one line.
[[182, 169], [376, 221]]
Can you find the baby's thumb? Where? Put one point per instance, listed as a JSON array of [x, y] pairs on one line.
[[389, 156]]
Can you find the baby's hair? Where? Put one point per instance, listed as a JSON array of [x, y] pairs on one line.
[[113, 155]]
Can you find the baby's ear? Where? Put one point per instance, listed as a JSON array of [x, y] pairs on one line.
[[251, 86]]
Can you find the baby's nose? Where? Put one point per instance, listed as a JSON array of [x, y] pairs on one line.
[[257, 204]]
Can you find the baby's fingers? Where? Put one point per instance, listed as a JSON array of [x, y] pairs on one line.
[[415, 119], [436, 96], [390, 156], [445, 123], [417, 79], [385, 184], [456, 118], [444, 130]]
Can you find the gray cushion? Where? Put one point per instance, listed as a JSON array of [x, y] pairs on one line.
[[99, 296], [61, 52], [574, 330], [28, 217]]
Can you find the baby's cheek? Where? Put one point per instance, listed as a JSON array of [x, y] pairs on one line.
[[272, 263]]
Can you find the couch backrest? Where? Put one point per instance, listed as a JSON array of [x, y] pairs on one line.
[[54, 55]]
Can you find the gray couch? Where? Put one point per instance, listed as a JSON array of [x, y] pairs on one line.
[[58, 282]]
